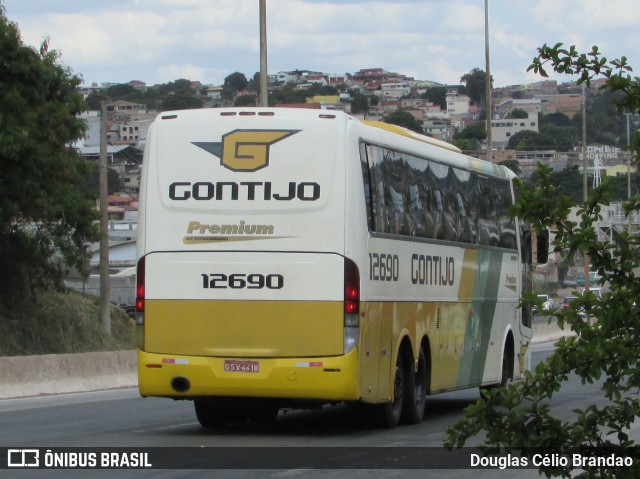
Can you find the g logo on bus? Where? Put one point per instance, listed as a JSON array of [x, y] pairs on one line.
[[245, 150]]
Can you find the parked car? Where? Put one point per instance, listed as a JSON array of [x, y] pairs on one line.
[[595, 290], [567, 301], [547, 303], [595, 278]]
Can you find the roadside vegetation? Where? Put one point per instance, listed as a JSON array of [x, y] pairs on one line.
[[518, 419], [62, 322], [47, 208]]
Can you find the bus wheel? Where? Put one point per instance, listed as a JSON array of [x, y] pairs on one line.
[[415, 396], [210, 414], [505, 375], [507, 361], [388, 415]]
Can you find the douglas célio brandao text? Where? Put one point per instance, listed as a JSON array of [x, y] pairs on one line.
[[574, 460]]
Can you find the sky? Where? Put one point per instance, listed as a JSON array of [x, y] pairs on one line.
[[159, 41]]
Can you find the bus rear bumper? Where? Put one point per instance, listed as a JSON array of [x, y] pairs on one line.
[[325, 378]]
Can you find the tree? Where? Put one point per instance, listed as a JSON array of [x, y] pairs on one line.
[[476, 81], [555, 119], [436, 95], [289, 94], [245, 100], [95, 99], [465, 144], [42, 211], [233, 84], [475, 131], [181, 101], [405, 119], [90, 187], [605, 346], [360, 101], [518, 113], [120, 91], [529, 140], [605, 124]]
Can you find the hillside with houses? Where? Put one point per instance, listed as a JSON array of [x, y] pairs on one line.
[[442, 111]]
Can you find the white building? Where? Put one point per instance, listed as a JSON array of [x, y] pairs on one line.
[[457, 104], [286, 77], [395, 90], [503, 130]]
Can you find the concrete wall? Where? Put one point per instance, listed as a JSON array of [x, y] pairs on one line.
[[25, 376]]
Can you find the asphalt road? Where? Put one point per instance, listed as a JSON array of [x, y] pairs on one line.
[[122, 419]]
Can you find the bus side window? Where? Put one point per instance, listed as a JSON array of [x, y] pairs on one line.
[[394, 178], [461, 184], [487, 225], [506, 227], [366, 179], [376, 179], [416, 197]]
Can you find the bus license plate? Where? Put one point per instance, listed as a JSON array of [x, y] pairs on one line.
[[241, 366]]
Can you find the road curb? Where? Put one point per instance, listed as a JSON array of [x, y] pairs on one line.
[[25, 376]]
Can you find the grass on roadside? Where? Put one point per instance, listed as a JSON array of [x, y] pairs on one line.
[[62, 322]]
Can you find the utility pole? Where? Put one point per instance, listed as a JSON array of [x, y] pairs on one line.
[[628, 172], [585, 164], [264, 100], [488, 107], [105, 293]]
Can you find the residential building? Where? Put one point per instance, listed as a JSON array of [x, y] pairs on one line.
[[335, 79], [395, 90], [370, 73], [503, 130], [423, 86], [568, 103], [138, 85], [327, 102], [126, 106], [442, 130], [532, 106], [457, 104], [528, 160], [214, 93]]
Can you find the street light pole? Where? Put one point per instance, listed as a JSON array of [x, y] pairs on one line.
[[264, 100], [105, 292], [487, 81], [585, 165], [628, 171]]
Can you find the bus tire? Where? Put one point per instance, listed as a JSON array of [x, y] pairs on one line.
[[209, 413], [415, 393], [507, 363], [388, 415]]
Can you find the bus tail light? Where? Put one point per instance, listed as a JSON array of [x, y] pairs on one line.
[[140, 272], [351, 305]]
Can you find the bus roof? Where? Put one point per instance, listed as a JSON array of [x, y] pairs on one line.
[[412, 134]]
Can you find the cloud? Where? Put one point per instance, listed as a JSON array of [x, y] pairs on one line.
[[437, 40]]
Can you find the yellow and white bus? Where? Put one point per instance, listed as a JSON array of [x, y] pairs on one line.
[[295, 257]]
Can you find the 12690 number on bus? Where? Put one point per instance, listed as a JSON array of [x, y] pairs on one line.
[[242, 281], [384, 267]]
